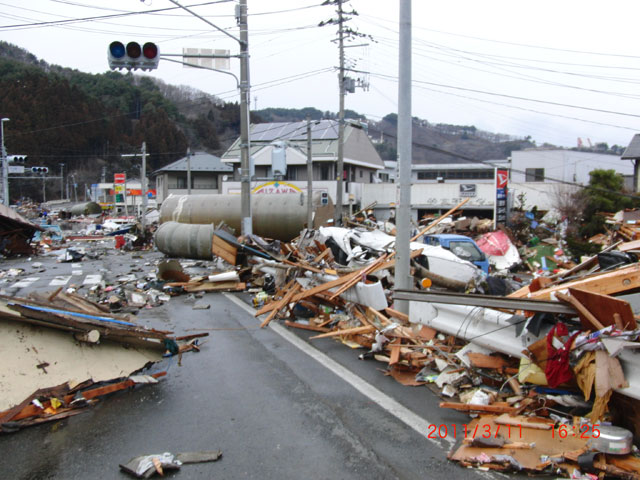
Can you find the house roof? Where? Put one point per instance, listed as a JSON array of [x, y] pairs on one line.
[[358, 148], [200, 162], [633, 150]]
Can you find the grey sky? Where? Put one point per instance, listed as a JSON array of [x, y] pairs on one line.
[[474, 63]]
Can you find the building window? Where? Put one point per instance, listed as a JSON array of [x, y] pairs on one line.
[[325, 171], [292, 173], [534, 175], [181, 182], [361, 173]]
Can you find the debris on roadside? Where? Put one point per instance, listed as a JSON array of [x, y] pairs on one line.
[[63, 352], [146, 466]]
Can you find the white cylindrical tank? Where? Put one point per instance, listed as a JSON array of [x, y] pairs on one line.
[[183, 240], [277, 216]]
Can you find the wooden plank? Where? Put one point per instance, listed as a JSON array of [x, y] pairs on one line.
[[526, 422], [215, 287], [302, 264], [325, 253], [588, 320], [427, 333], [347, 331], [224, 250], [395, 352], [468, 407], [383, 320], [362, 273], [605, 283], [281, 304], [403, 317], [314, 328], [481, 360], [605, 307], [312, 291], [392, 262], [439, 219], [31, 410]]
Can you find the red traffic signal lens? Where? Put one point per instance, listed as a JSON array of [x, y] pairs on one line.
[[117, 49], [133, 50], [150, 50]]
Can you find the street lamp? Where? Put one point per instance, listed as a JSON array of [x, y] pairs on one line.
[[5, 168]]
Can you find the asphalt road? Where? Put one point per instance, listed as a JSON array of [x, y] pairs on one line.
[[277, 406]]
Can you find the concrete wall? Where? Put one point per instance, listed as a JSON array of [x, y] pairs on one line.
[[565, 165]]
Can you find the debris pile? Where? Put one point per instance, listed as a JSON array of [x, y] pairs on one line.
[[80, 351], [549, 372]]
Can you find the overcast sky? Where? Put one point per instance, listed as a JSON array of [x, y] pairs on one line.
[[555, 70]]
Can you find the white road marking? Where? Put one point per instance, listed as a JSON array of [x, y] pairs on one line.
[[383, 400], [76, 272], [25, 282], [92, 279], [60, 280]]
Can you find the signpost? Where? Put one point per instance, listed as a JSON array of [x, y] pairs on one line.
[[120, 190], [500, 206]]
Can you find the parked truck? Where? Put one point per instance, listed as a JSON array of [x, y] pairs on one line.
[[462, 246]]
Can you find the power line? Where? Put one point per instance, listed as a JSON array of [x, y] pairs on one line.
[[390, 77], [100, 17]]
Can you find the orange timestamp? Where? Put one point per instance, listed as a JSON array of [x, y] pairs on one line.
[[479, 431]]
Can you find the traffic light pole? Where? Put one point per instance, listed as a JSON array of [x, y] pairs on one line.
[[245, 170], [143, 220]]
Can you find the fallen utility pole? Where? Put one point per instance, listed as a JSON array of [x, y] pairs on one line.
[[488, 301]]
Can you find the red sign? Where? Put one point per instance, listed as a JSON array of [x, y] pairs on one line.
[[119, 178], [502, 177]]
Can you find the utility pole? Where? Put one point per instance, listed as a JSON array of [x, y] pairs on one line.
[[402, 280], [44, 190], [61, 181], [104, 180], [309, 177], [144, 185], [188, 171], [5, 167], [245, 103], [337, 217], [245, 147]]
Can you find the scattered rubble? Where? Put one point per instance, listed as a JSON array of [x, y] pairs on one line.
[[542, 352]]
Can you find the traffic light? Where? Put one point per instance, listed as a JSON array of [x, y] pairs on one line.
[[133, 56], [40, 169], [324, 198], [16, 158]]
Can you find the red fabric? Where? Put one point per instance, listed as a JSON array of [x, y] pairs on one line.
[[494, 243], [558, 370]]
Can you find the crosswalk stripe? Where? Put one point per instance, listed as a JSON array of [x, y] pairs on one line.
[[92, 279], [25, 282], [60, 280]]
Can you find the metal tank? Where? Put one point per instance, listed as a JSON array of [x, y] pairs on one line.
[[183, 240], [277, 216], [88, 208]]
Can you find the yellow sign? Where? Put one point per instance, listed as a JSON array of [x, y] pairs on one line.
[[276, 187]]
